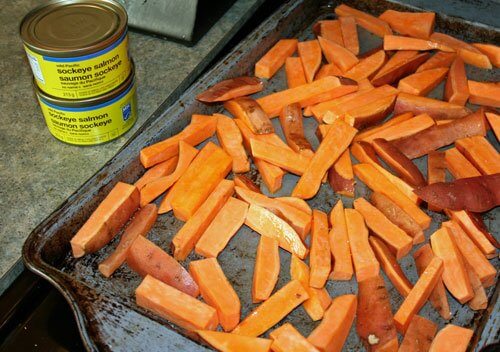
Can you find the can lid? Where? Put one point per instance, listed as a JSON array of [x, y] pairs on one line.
[[68, 28]]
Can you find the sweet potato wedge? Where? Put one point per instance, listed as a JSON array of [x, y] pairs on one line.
[[230, 89], [480, 153], [146, 258], [266, 269], [364, 153], [490, 50], [349, 34], [439, 59], [419, 336], [467, 52], [140, 225], [480, 299], [494, 122], [456, 89], [230, 139], [310, 55], [295, 75], [341, 176], [396, 42], [367, 67], [436, 172], [284, 158], [371, 113], [286, 338], [249, 111], [295, 202], [337, 54], [270, 312], [418, 295], [422, 83], [396, 59], [174, 305], [226, 342], [339, 244], [396, 69], [105, 222], [368, 22], [328, 70], [189, 234], [451, 337], [484, 93], [458, 165], [413, 24], [374, 323], [222, 228], [329, 29], [164, 168], [272, 61], [293, 129], [319, 257], [437, 109], [245, 182], [331, 333]]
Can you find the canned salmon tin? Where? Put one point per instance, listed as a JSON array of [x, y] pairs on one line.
[[77, 48], [91, 121]]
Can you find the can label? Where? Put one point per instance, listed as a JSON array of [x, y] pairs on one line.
[[83, 76], [92, 125]]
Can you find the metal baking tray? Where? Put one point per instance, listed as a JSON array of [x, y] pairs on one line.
[[105, 309]]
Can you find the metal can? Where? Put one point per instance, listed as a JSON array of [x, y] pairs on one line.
[[94, 120], [77, 48]]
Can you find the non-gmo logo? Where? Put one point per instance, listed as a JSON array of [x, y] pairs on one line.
[[126, 112]]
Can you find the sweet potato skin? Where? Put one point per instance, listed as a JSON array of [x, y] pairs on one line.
[[231, 88]]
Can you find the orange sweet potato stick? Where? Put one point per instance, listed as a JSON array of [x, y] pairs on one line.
[[419, 294], [165, 205], [336, 141], [329, 70], [467, 52], [438, 298], [418, 337], [319, 299], [140, 225], [175, 306], [245, 182], [320, 258], [226, 342], [422, 83], [439, 59], [368, 22], [337, 54], [484, 93], [189, 234], [230, 89], [374, 322], [272, 61], [145, 258], [439, 110], [155, 188], [293, 129], [396, 42], [105, 222], [413, 24], [480, 299], [249, 111], [401, 64], [371, 113], [456, 89], [367, 67], [286, 338], [193, 134], [397, 59], [266, 270], [494, 121], [341, 176], [298, 203], [399, 242], [458, 165], [455, 276], [222, 228], [331, 333], [329, 29], [230, 139], [310, 55], [480, 153], [490, 50], [451, 338], [266, 223], [164, 168], [295, 75], [284, 158], [349, 34], [271, 311], [390, 266], [436, 171], [363, 258], [339, 244], [207, 170], [217, 291], [472, 255], [365, 153]]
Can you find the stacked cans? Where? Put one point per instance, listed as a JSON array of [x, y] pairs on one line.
[[83, 75]]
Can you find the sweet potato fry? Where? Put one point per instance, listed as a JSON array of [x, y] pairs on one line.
[[284, 158], [297, 203], [371, 113], [146, 258], [413, 24], [368, 22], [349, 34], [140, 225], [390, 266], [245, 182], [310, 55], [271, 311], [336, 141], [222, 228], [494, 121], [418, 337], [396, 59], [226, 342], [456, 89], [295, 75], [467, 52], [249, 111], [319, 258], [230, 89], [436, 172], [266, 223], [337, 54], [230, 139], [396, 42], [480, 299], [319, 299], [437, 109], [441, 135], [175, 306], [105, 222], [341, 176], [329, 29], [484, 93], [399, 66], [164, 168], [422, 83], [418, 295], [455, 276], [329, 70], [286, 338], [451, 337], [293, 129], [439, 59], [367, 67], [364, 153], [272, 61], [363, 258], [438, 298], [374, 323], [189, 234], [217, 291], [480, 153], [331, 333], [339, 244], [266, 270], [165, 205], [458, 165], [490, 50]]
